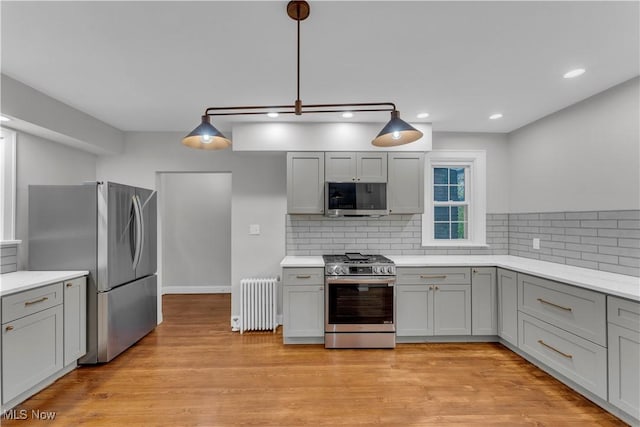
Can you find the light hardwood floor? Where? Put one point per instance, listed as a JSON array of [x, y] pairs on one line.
[[192, 371]]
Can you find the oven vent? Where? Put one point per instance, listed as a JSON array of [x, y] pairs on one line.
[[258, 304]]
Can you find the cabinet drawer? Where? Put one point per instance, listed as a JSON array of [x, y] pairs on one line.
[[623, 313], [580, 360], [304, 276], [433, 275], [579, 311], [28, 302]]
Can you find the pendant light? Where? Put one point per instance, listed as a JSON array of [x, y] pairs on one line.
[[395, 132]]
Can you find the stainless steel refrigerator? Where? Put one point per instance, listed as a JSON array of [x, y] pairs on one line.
[[108, 229]]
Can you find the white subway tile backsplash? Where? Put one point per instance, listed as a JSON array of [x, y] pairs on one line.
[[601, 240]]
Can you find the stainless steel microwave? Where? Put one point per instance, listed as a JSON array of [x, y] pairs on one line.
[[355, 199]]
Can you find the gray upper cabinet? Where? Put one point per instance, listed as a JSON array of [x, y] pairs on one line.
[[405, 187], [305, 183], [356, 167], [484, 301]]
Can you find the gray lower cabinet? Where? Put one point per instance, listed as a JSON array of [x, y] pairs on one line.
[[578, 359], [305, 183], [565, 328], [624, 354], [577, 310], [433, 301], [43, 334], [405, 183], [303, 305], [414, 315], [508, 306], [32, 339], [75, 319], [484, 301]]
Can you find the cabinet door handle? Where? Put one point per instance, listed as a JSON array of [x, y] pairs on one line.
[[433, 276], [69, 285], [27, 303], [300, 276], [430, 288], [321, 288], [437, 288], [554, 305], [9, 328], [568, 356]]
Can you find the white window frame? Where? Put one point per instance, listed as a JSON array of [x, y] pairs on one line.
[[8, 186], [475, 161]]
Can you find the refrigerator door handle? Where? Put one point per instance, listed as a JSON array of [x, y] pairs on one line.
[[142, 228], [138, 229]]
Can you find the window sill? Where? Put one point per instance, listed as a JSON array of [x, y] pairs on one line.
[[454, 245], [4, 243]]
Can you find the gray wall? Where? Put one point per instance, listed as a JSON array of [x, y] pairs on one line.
[[497, 148], [195, 213], [574, 183], [583, 158], [258, 193], [40, 161]]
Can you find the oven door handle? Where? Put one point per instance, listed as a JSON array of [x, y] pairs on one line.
[[389, 281]]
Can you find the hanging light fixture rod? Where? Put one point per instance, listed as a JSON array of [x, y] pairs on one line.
[[396, 131]]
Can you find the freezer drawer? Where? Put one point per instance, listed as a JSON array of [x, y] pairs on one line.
[[126, 314]]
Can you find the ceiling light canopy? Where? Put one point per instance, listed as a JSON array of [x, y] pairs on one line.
[[495, 116], [396, 131]]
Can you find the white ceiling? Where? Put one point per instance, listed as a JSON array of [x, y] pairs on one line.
[[155, 66]]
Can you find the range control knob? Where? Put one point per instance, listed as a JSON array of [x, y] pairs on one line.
[[331, 269], [390, 269]]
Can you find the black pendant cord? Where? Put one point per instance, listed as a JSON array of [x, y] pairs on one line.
[[298, 103]]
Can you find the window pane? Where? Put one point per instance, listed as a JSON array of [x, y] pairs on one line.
[[459, 230], [440, 193], [441, 213], [456, 176], [458, 213], [440, 175], [456, 193], [441, 230]]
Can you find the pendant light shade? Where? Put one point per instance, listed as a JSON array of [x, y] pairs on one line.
[[206, 137], [396, 132]]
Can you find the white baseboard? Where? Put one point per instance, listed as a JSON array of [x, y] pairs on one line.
[[196, 290]]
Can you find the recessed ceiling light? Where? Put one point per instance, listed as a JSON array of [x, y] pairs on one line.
[[347, 114], [4, 119], [273, 115], [574, 73], [422, 115], [495, 116]]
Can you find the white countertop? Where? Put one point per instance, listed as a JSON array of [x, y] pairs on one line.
[[302, 261], [601, 281], [23, 280]]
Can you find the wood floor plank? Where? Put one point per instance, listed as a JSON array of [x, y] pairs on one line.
[[192, 371]]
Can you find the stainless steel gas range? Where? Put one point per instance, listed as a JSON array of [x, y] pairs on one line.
[[360, 301]]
